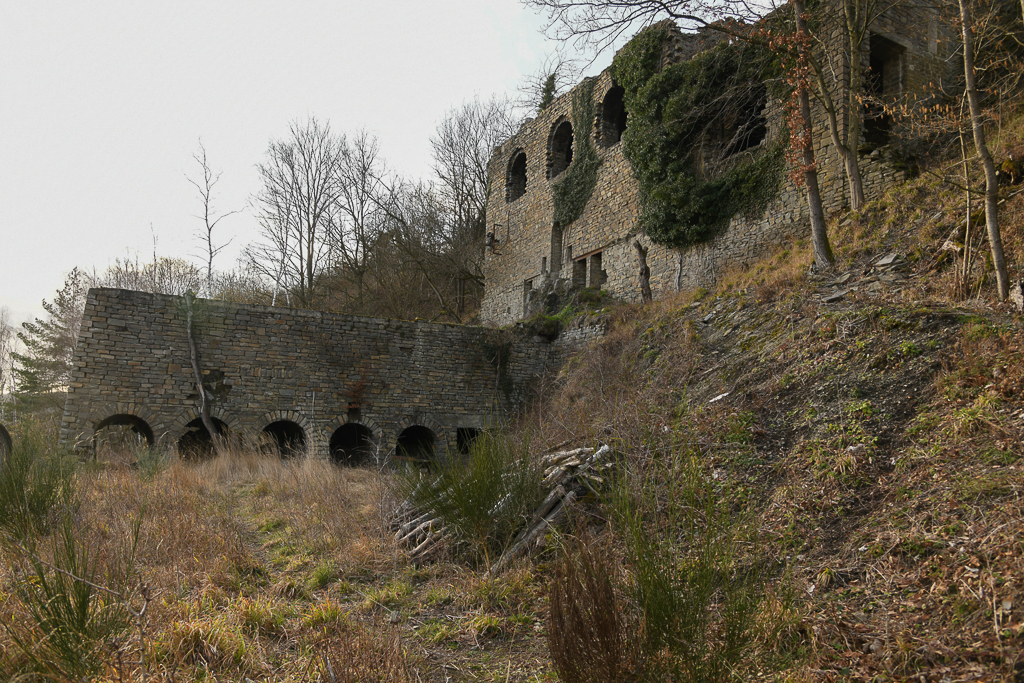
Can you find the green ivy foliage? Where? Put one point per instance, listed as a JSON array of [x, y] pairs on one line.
[[673, 113], [573, 190]]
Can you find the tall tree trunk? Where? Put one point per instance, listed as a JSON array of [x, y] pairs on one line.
[[823, 258], [991, 183], [855, 21], [645, 272], [204, 401]]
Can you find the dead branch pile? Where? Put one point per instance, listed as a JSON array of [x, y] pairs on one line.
[[567, 474]]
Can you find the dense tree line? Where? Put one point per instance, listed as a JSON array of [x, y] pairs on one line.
[[338, 232]]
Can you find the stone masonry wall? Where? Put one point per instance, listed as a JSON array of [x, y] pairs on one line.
[[531, 252], [267, 364]]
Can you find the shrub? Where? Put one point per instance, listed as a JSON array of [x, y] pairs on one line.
[[698, 599], [73, 603], [485, 497], [33, 481]]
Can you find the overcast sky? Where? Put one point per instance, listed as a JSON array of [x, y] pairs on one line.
[[103, 104]]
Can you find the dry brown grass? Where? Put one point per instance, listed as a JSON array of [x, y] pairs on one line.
[[589, 637], [223, 601]]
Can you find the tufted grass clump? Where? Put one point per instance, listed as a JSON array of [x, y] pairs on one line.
[[34, 480], [72, 603]]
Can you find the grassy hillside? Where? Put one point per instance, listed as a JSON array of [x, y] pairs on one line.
[[818, 477]]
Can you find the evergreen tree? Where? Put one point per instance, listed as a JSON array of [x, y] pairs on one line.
[[547, 93], [49, 345]]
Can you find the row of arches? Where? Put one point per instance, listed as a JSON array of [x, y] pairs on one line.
[[351, 443], [610, 122]]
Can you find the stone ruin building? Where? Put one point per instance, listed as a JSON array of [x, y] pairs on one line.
[[343, 387], [529, 254], [351, 388]]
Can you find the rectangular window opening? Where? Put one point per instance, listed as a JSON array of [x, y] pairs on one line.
[[596, 277]]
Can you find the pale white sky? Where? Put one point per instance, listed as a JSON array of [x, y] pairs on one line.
[[103, 103]]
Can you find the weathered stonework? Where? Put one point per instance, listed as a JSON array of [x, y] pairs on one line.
[[318, 371], [530, 251]]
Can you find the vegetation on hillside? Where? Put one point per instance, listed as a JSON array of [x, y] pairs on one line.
[[817, 477], [804, 490]]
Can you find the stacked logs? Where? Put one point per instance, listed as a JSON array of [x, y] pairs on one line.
[[567, 474]]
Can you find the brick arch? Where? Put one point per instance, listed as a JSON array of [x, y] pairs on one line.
[[515, 175], [376, 432], [342, 420], [612, 116], [422, 420], [155, 422], [561, 141], [309, 432], [289, 415], [187, 416]]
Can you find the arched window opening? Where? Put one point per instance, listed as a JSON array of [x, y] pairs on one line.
[[613, 117], [560, 149], [416, 443], [747, 127], [196, 444], [284, 439], [515, 183], [352, 444], [6, 444], [119, 438]]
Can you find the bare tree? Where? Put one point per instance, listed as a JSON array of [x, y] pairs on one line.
[[462, 145], [299, 209], [991, 181], [243, 285], [209, 216], [557, 74], [163, 276], [7, 339], [838, 77], [358, 189], [804, 139], [599, 24]]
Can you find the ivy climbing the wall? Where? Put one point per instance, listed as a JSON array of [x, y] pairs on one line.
[[694, 136], [573, 191]]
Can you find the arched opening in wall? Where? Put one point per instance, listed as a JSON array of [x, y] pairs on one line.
[[515, 181], [352, 444], [464, 437], [613, 117], [6, 444], [196, 444], [883, 83], [283, 438], [416, 443], [119, 438], [747, 127], [560, 149]]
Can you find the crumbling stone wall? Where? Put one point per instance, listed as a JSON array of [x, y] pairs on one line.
[[312, 369], [530, 252]]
